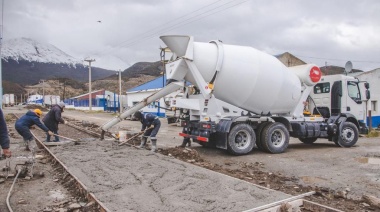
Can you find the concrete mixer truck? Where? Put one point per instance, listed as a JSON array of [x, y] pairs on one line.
[[245, 98]]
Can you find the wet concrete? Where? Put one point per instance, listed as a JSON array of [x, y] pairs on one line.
[[124, 179]]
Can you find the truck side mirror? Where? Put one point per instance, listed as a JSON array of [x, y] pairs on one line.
[[366, 85], [367, 94]]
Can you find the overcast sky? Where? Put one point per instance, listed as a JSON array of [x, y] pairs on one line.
[[128, 32]]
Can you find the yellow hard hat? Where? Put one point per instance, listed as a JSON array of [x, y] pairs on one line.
[[38, 112]]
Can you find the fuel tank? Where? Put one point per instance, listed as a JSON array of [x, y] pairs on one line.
[[247, 78]]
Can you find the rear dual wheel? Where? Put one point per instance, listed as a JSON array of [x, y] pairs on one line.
[[259, 131], [275, 138], [241, 139]]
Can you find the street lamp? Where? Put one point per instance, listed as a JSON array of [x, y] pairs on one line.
[[120, 97], [89, 82]]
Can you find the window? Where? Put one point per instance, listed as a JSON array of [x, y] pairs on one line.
[[322, 88], [353, 91], [374, 106]]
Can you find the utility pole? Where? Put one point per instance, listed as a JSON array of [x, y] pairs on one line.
[[1, 45], [89, 82], [43, 92], [64, 90], [120, 97]]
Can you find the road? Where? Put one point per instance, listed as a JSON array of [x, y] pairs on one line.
[[355, 171]]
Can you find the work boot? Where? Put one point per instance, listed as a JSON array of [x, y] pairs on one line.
[[189, 143], [143, 142], [26, 142], [154, 145], [184, 142]]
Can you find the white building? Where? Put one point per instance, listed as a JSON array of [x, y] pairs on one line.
[[35, 99], [137, 94], [373, 77]]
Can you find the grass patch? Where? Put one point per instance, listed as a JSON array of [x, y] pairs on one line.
[[9, 118], [373, 133]]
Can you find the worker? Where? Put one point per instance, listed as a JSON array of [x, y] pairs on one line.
[[24, 123], [4, 137], [52, 119], [147, 121], [186, 141]]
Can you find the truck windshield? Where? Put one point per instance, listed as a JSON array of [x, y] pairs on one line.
[[353, 91]]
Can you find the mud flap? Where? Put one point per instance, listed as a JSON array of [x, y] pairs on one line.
[[222, 130]]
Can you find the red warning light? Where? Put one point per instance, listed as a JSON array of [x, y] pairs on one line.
[[315, 74]]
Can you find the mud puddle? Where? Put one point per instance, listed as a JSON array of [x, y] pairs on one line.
[[369, 160]]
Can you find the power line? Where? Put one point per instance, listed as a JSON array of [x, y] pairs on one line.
[[183, 23], [177, 23], [321, 58]]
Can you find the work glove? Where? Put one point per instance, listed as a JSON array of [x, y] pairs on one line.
[[50, 133], [7, 153]]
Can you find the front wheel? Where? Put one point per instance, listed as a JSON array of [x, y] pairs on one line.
[[275, 138], [241, 139], [349, 135]]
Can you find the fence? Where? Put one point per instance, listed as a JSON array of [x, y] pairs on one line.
[[111, 106]]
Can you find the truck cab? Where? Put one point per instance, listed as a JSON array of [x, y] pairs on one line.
[[336, 94]]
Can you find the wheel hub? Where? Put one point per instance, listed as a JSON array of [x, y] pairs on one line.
[[347, 134], [278, 138], [242, 139]]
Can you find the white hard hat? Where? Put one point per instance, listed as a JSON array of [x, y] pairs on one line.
[[61, 104]]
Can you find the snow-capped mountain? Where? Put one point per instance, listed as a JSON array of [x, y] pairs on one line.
[[26, 61], [31, 50]]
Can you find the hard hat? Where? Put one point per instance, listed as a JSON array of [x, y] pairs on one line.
[[38, 112], [61, 104]]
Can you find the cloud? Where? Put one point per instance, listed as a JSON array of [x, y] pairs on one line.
[[129, 31]]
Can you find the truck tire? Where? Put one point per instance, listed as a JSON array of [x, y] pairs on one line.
[[308, 140], [275, 138], [259, 131], [241, 139], [349, 135]]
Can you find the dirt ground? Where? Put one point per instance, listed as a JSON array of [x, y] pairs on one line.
[[341, 176]]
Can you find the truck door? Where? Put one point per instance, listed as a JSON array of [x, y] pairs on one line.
[[354, 104], [336, 98], [321, 98]]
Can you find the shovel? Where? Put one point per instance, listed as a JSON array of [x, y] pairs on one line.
[[66, 138], [135, 136]]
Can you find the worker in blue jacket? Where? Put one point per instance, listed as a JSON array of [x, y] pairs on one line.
[[153, 124], [24, 123], [4, 137]]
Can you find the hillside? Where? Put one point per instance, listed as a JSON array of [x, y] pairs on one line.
[[331, 70], [135, 75], [26, 61], [26, 72]]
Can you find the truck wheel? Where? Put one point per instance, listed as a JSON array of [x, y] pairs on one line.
[[241, 139], [308, 140], [349, 135], [275, 138], [259, 131]]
